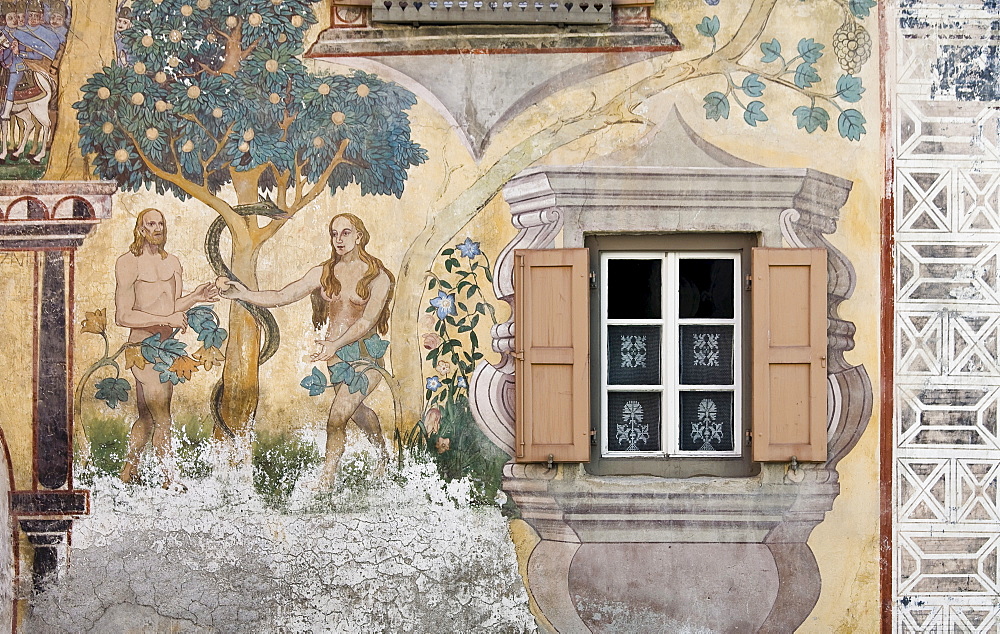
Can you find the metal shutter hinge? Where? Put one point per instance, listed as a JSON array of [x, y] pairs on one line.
[[747, 282]]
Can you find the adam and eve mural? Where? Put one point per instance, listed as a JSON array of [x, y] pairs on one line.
[[210, 102], [214, 99], [214, 104]]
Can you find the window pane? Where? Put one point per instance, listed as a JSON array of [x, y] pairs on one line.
[[634, 421], [634, 289], [706, 355], [706, 289], [706, 421], [633, 355]]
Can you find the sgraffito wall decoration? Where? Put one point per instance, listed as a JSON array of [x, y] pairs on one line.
[[264, 381], [945, 439]]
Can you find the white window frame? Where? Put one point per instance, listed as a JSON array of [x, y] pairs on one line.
[[670, 386]]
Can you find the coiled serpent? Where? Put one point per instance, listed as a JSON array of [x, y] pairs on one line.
[[265, 320]]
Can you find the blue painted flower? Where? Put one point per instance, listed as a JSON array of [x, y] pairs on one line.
[[469, 248], [444, 303], [460, 382], [433, 383]]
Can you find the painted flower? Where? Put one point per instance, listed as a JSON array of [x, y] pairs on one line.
[[433, 383], [431, 340], [443, 444], [432, 420], [95, 322], [427, 322], [444, 368], [460, 382], [444, 303], [469, 249]]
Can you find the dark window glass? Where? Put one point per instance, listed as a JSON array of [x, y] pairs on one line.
[[634, 421], [706, 356], [706, 289], [634, 289], [633, 355], [706, 421]]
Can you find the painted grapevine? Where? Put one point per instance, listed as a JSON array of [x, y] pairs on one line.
[[746, 82]]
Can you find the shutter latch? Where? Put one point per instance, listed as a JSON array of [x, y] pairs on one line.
[[747, 282], [593, 279], [549, 464], [593, 437]]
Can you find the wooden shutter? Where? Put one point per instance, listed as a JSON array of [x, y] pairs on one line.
[[551, 340], [789, 354]]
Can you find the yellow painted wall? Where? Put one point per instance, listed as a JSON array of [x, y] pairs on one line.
[[845, 544]]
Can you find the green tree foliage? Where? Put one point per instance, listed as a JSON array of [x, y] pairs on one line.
[[217, 87]]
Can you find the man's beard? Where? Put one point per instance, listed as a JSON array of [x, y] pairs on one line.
[[157, 240]]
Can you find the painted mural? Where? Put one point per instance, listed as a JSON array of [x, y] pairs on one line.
[[33, 41], [282, 320]]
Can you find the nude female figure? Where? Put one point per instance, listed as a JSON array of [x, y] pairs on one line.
[[356, 289]]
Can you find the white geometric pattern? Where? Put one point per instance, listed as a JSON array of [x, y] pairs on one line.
[[946, 471]]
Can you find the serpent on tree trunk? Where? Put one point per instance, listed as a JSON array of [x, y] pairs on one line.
[[265, 320]]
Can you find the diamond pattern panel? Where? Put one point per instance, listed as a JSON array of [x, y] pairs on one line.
[[946, 471], [942, 418], [948, 272]]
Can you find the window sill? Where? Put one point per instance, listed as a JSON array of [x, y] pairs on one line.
[[657, 509]]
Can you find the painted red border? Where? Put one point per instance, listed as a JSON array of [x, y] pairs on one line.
[[887, 335]]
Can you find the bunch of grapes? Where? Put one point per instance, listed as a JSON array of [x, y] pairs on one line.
[[852, 45]]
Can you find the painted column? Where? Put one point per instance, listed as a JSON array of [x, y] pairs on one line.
[[41, 226]]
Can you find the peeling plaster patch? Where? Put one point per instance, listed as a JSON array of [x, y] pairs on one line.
[[411, 557], [967, 73]]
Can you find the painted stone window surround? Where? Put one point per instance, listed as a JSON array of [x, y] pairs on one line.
[[573, 511]]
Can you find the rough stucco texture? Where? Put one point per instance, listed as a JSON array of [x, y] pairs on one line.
[[412, 557]]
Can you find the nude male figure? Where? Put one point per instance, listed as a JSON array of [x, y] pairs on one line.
[[149, 300], [356, 289]]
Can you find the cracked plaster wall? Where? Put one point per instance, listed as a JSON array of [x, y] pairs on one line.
[[412, 557]]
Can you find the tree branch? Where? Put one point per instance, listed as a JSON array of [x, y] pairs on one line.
[[198, 192], [220, 145], [301, 201], [781, 81], [321, 182], [196, 121], [749, 31]]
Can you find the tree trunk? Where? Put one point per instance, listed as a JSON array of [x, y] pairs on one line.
[[240, 380], [90, 45]]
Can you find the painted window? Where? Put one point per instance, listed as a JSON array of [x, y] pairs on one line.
[[671, 358]]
